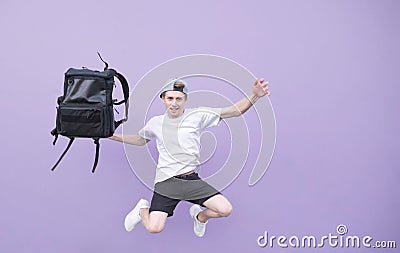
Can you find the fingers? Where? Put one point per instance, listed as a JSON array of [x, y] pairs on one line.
[[260, 82], [264, 86]]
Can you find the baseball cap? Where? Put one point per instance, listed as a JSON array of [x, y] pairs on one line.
[[171, 86]]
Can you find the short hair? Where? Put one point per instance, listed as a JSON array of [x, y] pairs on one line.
[[179, 84]]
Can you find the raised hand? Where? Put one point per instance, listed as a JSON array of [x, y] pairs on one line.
[[260, 88]]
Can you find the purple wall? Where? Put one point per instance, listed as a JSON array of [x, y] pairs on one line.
[[333, 68]]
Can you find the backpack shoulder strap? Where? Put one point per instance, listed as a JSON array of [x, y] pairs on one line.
[[71, 140], [96, 158], [125, 89]]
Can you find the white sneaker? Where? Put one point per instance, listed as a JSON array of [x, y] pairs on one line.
[[133, 217], [199, 227]]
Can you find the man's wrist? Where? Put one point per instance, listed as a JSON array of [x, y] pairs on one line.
[[253, 97]]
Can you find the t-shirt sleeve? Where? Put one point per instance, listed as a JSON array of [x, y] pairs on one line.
[[147, 131], [211, 116]]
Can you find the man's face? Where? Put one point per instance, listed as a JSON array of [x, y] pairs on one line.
[[174, 102]]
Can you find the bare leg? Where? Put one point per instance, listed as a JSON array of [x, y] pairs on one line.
[[155, 221], [217, 206]]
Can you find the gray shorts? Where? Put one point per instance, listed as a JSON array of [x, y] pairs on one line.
[[167, 194]]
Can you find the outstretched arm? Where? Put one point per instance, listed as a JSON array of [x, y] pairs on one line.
[[260, 89], [132, 139]]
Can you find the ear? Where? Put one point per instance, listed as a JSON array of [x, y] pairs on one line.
[[163, 99]]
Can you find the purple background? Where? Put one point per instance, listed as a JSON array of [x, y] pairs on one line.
[[333, 68]]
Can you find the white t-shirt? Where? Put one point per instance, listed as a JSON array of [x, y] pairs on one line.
[[178, 139]]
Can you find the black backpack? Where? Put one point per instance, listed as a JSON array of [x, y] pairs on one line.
[[87, 108]]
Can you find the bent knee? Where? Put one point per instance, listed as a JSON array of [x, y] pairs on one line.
[[226, 210], [154, 229]]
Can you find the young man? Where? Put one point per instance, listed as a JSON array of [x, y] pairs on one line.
[[177, 133]]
